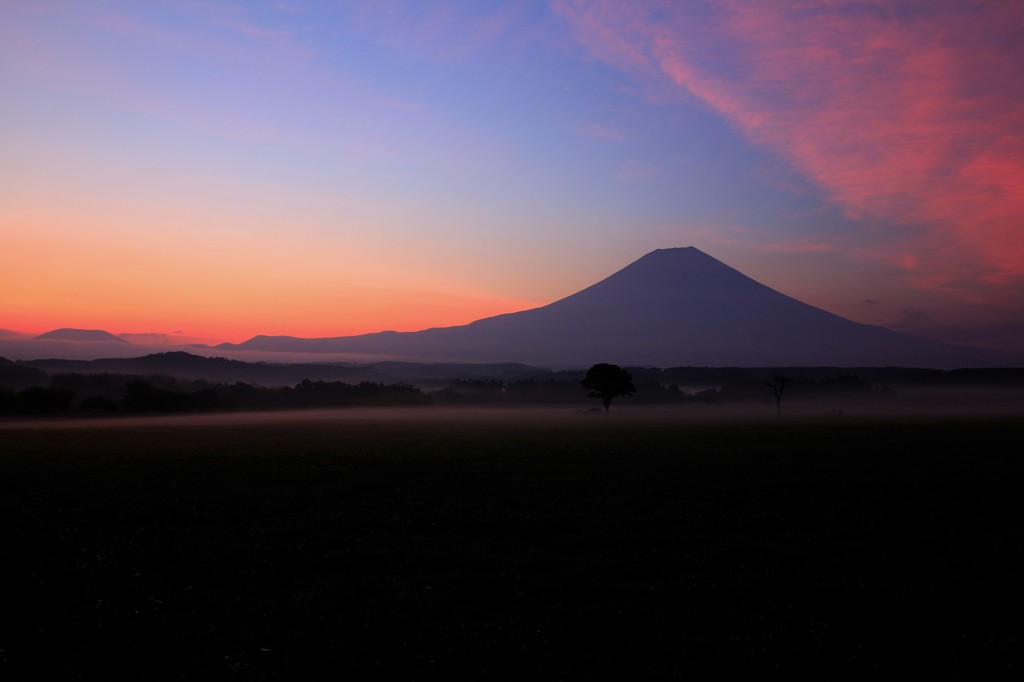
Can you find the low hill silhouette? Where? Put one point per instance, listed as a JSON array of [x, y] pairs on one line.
[[183, 365], [91, 335]]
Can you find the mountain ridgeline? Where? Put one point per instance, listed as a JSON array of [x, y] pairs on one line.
[[671, 307], [83, 335]]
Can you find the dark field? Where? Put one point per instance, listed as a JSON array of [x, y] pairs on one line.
[[512, 544]]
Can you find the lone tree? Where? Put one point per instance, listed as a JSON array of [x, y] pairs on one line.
[[606, 381], [777, 384]]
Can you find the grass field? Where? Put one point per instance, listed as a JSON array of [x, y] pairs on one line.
[[508, 544]]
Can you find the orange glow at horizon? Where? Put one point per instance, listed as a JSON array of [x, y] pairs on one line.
[[221, 319], [222, 286]]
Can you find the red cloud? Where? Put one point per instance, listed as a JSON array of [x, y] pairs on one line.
[[908, 115]]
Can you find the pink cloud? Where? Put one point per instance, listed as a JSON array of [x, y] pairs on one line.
[[910, 119]]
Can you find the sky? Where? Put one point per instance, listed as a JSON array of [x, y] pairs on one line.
[[200, 170]]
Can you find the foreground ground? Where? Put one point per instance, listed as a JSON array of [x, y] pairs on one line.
[[506, 544]]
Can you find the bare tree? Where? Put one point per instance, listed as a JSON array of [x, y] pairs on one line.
[[777, 384]]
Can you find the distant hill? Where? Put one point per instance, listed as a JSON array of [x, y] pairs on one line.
[[91, 335], [17, 375], [672, 307], [182, 365]]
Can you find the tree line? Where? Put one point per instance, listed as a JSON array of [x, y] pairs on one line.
[[112, 393], [125, 393], [571, 389]]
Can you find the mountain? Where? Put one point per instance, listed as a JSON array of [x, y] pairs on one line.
[[672, 307], [91, 335]]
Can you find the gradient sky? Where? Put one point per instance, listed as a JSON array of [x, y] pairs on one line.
[[217, 170]]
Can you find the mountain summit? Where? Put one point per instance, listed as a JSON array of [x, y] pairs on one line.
[[671, 307]]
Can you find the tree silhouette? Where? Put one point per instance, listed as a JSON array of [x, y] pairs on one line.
[[777, 384], [606, 381]]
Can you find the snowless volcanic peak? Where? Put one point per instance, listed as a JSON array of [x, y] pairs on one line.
[[684, 266], [664, 279], [672, 307]]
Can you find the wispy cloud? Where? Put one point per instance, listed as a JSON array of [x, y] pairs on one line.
[[280, 39], [444, 30], [907, 117], [600, 131], [636, 171]]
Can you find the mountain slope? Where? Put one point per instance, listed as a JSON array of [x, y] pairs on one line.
[[671, 307]]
